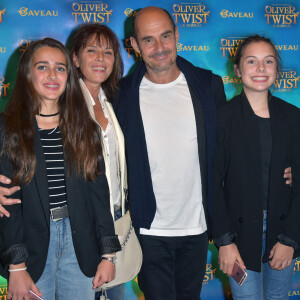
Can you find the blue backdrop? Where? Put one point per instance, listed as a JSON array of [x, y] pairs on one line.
[[209, 32]]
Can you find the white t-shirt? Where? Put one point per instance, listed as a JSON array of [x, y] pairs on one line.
[[171, 137]]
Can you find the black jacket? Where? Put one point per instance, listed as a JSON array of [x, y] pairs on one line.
[[206, 91], [89, 212], [238, 196]]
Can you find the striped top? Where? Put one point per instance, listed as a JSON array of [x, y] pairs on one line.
[[54, 156]]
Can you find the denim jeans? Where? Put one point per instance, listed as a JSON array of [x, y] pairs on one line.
[[117, 292], [62, 278], [267, 284]]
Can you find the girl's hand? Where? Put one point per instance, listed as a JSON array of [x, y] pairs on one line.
[[228, 255], [106, 272], [20, 283], [281, 255]]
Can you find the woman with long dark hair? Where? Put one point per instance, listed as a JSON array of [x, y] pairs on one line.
[[53, 242], [255, 214], [96, 54]]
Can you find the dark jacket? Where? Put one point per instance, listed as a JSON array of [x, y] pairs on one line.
[[29, 225], [238, 195], [206, 91]]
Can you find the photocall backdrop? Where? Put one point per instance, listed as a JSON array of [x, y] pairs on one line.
[[210, 31]]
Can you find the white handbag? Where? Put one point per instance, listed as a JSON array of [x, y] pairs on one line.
[[129, 259]]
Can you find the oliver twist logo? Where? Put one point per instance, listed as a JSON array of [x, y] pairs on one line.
[[4, 87], [281, 15], [24, 43], [209, 273], [91, 11], [2, 13], [287, 79], [230, 14], [3, 290], [194, 48], [190, 14], [229, 46], [131, 51], [24, 12]]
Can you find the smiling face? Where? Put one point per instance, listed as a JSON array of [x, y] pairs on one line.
[[156, 40], [96, 61], [48, 72], [257, 67]]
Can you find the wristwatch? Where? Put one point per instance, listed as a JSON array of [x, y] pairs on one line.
[[111, 259]]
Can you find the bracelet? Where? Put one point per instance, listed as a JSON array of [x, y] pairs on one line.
[[108, 255], [16, 270]]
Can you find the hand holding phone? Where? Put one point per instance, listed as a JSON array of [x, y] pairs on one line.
[[239, 274], [34, 296]]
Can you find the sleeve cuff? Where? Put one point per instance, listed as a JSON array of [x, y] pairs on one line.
[[287, 241], [15, 255], [225, 239], [110, 244]]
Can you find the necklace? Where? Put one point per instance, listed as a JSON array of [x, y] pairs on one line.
[[52, 115]]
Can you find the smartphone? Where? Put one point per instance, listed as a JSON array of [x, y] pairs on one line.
[[34, 296], [239, 274]]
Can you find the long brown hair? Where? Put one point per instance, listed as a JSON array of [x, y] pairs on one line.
[[81, 141], [101, 33]]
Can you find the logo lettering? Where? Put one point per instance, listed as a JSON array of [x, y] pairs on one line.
[[96, 12], [24, 12], [2, 13], [190, 15], [3, 92], [280, 15], [229, 46], [287, 80], [227, 14]]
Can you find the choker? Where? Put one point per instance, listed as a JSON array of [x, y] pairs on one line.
[[42, 115]]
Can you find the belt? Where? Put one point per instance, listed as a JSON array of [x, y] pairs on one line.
[[59, 213]]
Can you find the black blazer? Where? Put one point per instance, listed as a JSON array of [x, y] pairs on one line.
[[89, 212], [238, 202]]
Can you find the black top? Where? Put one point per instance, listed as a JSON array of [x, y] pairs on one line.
[[265, 137]]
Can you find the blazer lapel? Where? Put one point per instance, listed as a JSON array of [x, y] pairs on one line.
[[40, 174]]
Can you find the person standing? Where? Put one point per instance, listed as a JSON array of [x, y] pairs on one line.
[[166, 109], [255, 214]]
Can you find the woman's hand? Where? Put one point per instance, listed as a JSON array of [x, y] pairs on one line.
[[20, 283], [281, 256], [106, 272], [7, 192], [228, 255]]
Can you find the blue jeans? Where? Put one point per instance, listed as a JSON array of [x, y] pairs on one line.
[[117, 292], [62, 278], [267, 284]]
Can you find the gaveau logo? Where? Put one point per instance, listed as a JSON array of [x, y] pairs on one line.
[[97, 12], [190, 14], [287, 47], [25, 12], [129, 12], [2, 13], [229, 46], [281, 15], [228, 14], [233, 80], [195, 48], [4, 87]]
